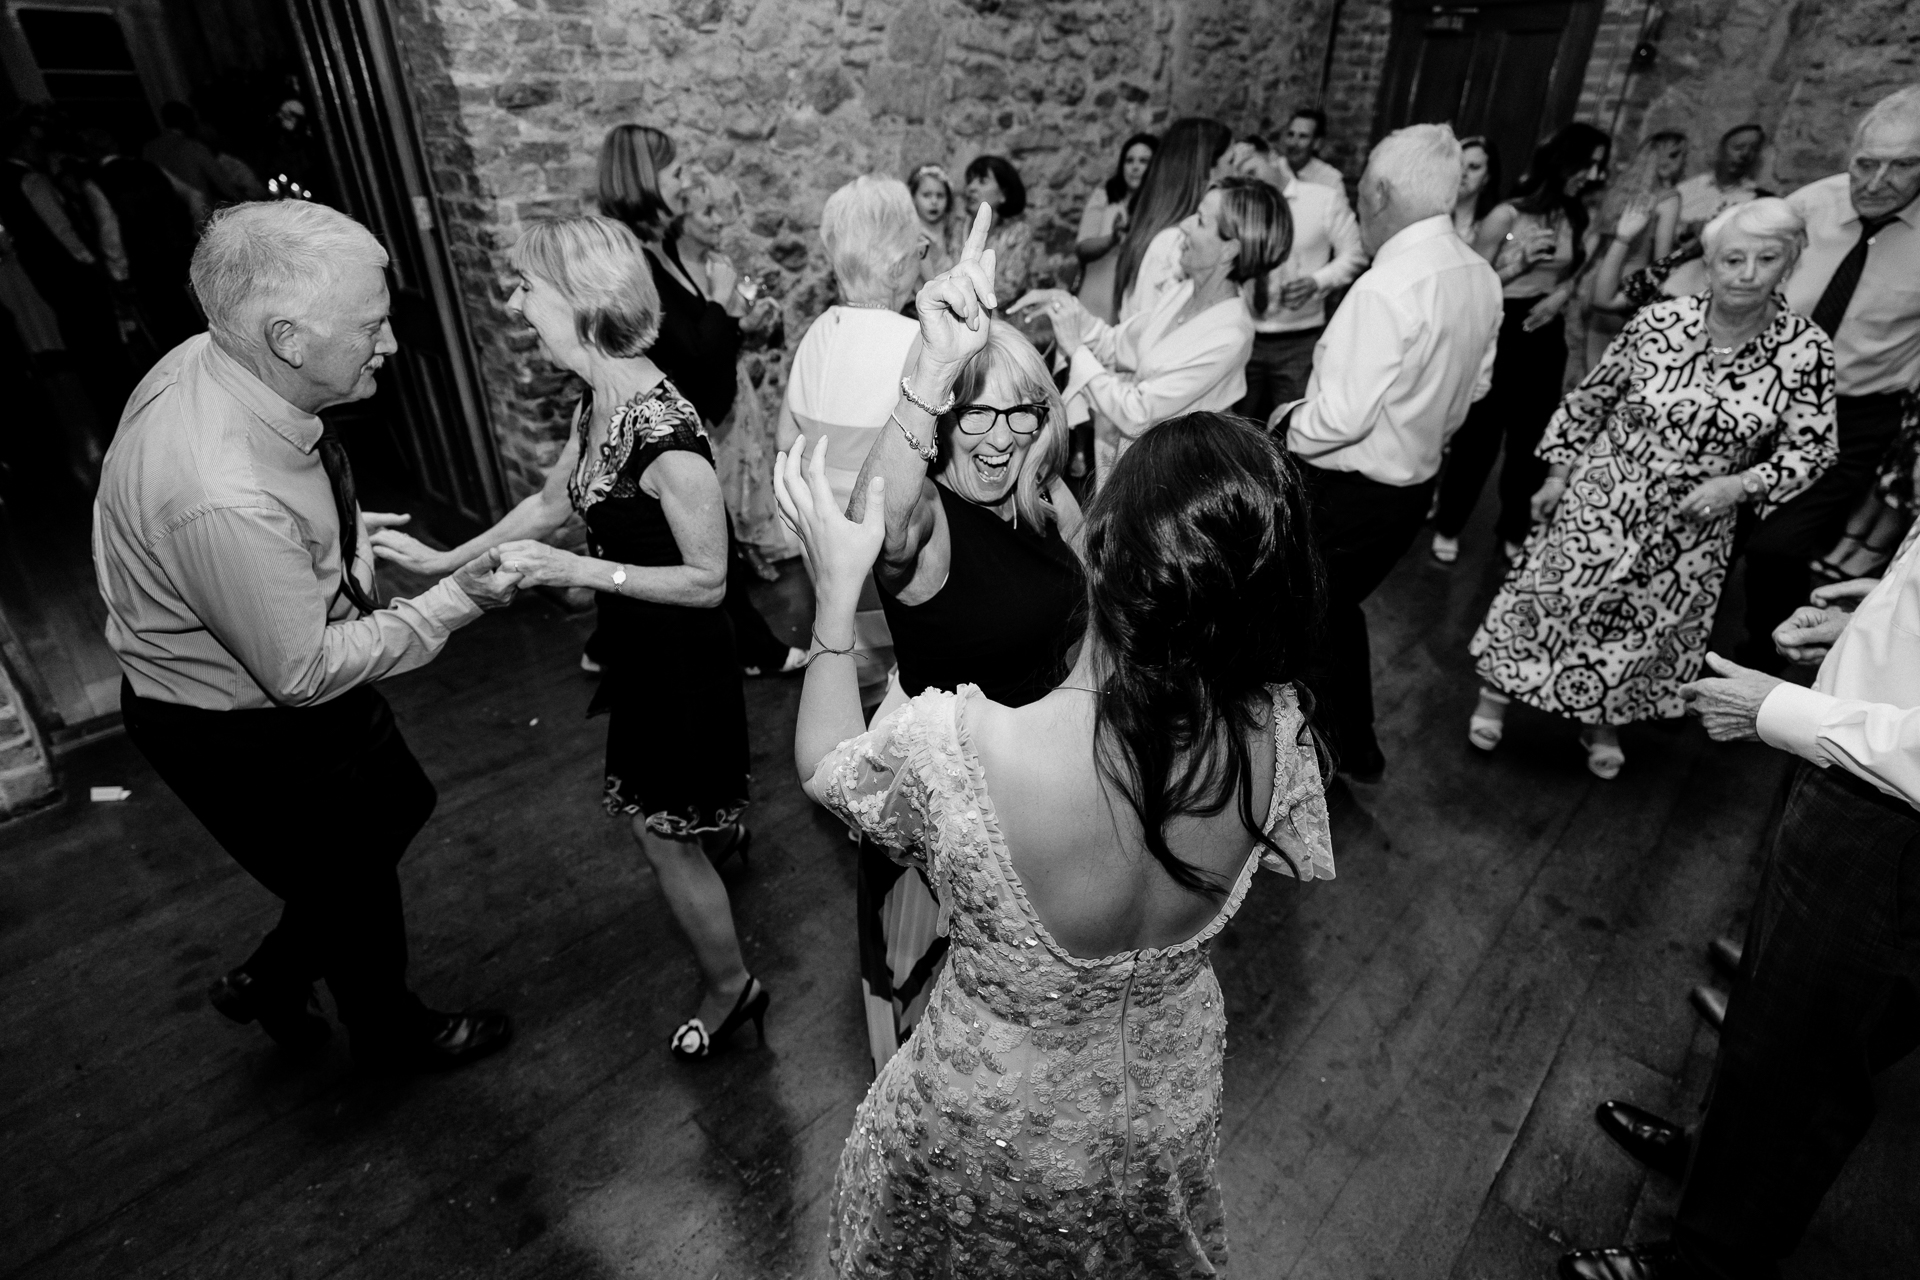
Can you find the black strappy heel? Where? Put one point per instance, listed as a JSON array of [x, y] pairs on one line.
[[692, 1039], [741, 843]]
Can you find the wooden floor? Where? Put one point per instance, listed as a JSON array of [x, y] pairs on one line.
[[1416, 1047]]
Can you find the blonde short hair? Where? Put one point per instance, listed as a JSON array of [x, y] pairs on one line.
[[1768, 217], [868, 226], [273, 255], [598, 266], [1008, 351]]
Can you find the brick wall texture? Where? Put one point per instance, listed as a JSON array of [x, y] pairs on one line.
[[787, 99]]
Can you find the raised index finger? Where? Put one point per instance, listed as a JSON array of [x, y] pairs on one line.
[[977, 237]]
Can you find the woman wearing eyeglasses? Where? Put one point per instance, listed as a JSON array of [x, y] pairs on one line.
[[979, 576]]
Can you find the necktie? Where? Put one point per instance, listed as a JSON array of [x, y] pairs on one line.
[[333, 458], [1832, 307]]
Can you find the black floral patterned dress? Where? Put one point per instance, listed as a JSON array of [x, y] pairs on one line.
[[677, 735], [1608, 613]]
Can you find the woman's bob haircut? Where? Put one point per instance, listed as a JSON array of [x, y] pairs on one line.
[[598, 266]]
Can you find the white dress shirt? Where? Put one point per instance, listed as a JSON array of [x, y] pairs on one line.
[[1153, 367], [1877, 346], [1321, 174], [1402, 360], [1326, 246], [1863, 712]]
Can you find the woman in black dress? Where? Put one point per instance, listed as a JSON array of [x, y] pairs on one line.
[[638, 469], [980, 577], [704, 322]]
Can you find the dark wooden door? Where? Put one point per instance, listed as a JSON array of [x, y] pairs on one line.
[[1509, 71], [426, 433]]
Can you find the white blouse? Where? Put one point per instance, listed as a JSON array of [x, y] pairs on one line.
[[1153, 367]]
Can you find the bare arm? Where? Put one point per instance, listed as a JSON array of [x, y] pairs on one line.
[[538, 515], [912, 506], [689, 494], [1493, 231]]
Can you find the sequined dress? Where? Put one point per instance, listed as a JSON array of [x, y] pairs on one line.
[[1051, 1116]]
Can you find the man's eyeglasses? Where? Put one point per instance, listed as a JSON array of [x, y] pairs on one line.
[[978, 419]]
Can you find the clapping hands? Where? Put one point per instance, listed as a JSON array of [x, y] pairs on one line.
[[1071, 321]]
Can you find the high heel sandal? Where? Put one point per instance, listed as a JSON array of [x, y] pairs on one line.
[[741, 843], [1604, 759], [692, 1039], [1484, 731]]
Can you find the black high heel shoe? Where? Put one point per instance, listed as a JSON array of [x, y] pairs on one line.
[[692, 1039], [741, 843]]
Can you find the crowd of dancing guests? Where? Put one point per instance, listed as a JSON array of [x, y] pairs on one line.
[[1068, 722]]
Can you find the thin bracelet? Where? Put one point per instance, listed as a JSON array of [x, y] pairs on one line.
[[914, 400], [927, 452], [823, 650]]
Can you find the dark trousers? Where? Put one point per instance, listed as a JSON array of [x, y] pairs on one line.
[[1277, 371], [317, 804], [1783, 545], [1362, 528], [1828, 995], [1528, 369]]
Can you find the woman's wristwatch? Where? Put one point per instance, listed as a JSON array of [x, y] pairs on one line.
[[1751, 484]]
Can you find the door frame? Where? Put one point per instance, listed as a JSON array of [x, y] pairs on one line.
[[1412, 17], [333, 58]]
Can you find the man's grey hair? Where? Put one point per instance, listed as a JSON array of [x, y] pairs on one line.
[[1900, 108], [273, 256], [868, 226], [1422, 164]]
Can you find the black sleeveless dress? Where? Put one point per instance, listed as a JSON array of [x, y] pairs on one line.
[[677, 736], [1012, 608]]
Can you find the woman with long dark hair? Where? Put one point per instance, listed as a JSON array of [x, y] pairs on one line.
[[1103, 225], [1129, 809], [1190, 156], [1537, 243], [994, 182], [1479, 187]]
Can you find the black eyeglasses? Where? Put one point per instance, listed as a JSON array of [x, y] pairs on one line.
[[978, 419]]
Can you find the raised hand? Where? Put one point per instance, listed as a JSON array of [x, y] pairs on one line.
[[839, 552], [1634, 218], [1071, 321], [1809, 632], [956, 305]]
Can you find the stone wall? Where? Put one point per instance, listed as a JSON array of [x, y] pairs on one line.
[[788, 99], [1805, 69]]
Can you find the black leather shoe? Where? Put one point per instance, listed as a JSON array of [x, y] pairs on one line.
[[1658, 1144], [293, 1018], [1658, 1261], [452, 1040], [1725, 954], [1710, 1003]]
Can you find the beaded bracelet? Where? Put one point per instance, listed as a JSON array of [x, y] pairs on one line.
[[927, 452], [906, 390]]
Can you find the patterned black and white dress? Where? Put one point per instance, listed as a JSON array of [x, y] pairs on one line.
[[677, 752], [1608, 613]]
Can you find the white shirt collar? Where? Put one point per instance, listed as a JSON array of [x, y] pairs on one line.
[[1414, 234]]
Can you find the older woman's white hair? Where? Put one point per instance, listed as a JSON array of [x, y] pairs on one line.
[[1767, 218], [274, 257], [1421, 163], [869, 226]]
